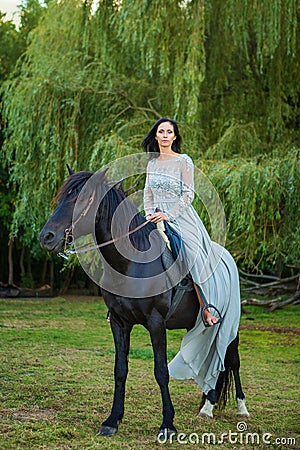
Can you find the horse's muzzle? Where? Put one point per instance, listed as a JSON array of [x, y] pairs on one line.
[[51, 242]]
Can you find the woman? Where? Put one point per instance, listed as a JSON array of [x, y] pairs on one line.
[[168, 196]]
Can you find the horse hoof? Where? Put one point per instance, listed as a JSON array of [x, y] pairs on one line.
[[242, 410], [107, 431], [206, 410], [166, 434]]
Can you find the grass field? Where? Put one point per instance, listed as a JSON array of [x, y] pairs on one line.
[[56, 382]]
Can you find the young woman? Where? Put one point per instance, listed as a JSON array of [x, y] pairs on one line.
[[168, 196]]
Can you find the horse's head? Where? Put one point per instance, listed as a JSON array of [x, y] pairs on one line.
[[58, 227]]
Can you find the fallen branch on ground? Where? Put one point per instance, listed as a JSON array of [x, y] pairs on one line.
[[266, 289]]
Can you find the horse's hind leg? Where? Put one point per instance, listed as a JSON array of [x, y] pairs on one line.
[[207, 404], [240, 397], [222, 390], [211, 399], [233, 358], [121, 333]]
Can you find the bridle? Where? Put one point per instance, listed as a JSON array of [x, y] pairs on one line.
[[68, 236]]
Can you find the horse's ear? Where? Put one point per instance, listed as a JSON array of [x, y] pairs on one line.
[[70, 170]]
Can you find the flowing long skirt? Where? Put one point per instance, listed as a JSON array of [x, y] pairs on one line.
[[202, 353]]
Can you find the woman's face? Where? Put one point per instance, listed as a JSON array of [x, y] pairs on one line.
[[165, 135]]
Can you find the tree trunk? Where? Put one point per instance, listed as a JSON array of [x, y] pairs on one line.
[[10, 262], [29, 263], [22, 268]]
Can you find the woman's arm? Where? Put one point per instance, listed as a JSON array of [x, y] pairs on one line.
[[148, 197]]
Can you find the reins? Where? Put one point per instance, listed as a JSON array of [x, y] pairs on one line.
[[88, 247]]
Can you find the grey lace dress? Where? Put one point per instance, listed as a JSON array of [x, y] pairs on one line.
[[170, 187]]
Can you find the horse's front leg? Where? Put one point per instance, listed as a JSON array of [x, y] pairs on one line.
[[157, 329], [121, 333]]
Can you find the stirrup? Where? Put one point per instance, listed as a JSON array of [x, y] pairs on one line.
[[203, 318]]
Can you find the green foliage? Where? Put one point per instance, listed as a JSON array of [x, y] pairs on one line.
[[91, 83], [13, 44], [13, 41], [10, 47], [30, 14], [261, 197]]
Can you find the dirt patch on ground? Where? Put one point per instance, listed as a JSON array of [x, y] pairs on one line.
[[28, 414], [284, 330]]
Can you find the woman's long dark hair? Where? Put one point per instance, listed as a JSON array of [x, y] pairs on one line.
[[150, 144]]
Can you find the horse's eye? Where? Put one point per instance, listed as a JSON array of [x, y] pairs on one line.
[[69, 192]]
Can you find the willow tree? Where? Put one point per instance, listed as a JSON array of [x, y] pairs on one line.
[[92, 82]]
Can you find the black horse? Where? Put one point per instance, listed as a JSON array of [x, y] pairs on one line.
[[101, 203]]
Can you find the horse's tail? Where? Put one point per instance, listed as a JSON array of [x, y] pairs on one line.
[[225, 387], [225, 381]]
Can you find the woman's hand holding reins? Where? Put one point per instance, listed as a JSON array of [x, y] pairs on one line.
[[157, 217]]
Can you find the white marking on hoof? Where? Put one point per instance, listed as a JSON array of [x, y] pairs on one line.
[[241, 408], [206, 410]]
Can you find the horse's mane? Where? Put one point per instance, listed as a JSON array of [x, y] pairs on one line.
[[74, 182]]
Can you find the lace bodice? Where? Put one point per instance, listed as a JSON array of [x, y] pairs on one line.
[[169, 185]]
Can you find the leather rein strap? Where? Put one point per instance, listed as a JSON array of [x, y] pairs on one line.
[[87, 247]]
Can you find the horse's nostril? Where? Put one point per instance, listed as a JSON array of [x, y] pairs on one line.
[[48, 237]]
